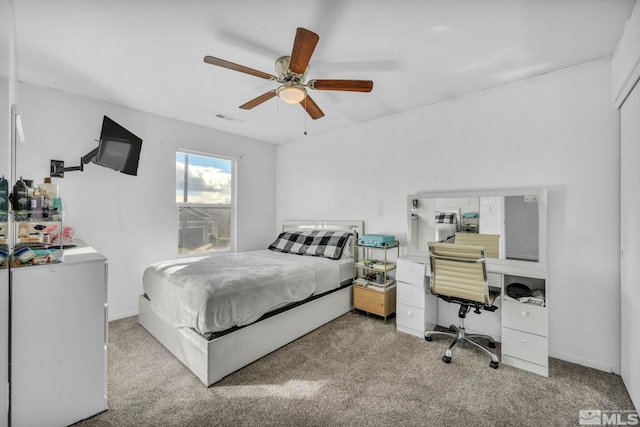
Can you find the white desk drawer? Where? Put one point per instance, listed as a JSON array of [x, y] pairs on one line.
[[529, 347], [525, 317], [410, 317], [410, 272], [410, 295]]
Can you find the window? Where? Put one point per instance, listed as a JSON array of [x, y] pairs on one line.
[[205, 199]]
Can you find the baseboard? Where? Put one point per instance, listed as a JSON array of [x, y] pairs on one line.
[[583, 362]]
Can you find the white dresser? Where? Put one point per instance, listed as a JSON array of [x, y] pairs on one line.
[[59, 340], [525, 330], [524, 327], [416, 309]]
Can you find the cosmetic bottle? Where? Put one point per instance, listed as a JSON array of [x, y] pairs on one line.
[[4, 197], [20, 199]]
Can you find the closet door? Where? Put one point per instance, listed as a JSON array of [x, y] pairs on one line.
[[630, 243]]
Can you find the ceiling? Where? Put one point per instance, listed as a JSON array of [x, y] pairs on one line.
[[148, 55]]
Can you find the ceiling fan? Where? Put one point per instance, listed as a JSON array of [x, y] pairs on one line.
[[291, 73]]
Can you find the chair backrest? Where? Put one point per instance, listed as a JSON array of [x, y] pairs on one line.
[[459, 271], [490, 242]]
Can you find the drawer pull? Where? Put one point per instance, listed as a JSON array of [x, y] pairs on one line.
[[522, 340], [409, 313], [524, 313]]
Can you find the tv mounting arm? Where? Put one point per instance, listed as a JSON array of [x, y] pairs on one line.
[[58, 169]]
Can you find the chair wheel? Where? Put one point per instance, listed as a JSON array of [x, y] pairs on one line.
[[428, 338], [447, 359], [492, 345], [493, 364]]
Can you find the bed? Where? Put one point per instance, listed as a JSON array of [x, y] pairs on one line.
[[258, 302], [447, 223]]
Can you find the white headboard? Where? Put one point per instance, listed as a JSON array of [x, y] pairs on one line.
[[326, 224]]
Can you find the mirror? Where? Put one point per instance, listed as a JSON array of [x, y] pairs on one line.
[[5, 173], [5, 182], [511, 224], [6, 27]]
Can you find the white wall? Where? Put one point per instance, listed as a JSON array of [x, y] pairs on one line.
[[558, 131], [133, 220]]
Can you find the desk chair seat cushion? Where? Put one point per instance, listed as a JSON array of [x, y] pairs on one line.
[[489, 305]]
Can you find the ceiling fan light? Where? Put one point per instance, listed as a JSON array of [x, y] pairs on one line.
[[291, 94]]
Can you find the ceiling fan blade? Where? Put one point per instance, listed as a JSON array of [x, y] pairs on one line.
[[312, 108], [230, 65], [344, 85], [303, 46], [258, 100]]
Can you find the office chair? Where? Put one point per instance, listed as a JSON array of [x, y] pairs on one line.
[[459, 276]]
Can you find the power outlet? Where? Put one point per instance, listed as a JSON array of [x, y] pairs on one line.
[[530, 198]]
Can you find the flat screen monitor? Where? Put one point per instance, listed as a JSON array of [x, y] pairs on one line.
[[119, 149]]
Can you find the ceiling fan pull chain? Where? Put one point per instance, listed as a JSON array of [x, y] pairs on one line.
[[305, 115]]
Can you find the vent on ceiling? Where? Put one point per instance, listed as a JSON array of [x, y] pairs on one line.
[[231, 119]]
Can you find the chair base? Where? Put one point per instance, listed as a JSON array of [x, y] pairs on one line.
[[459, 335]]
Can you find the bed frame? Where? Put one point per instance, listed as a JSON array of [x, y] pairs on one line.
[[213, 359]]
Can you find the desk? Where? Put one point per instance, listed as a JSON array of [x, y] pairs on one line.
[[521, 328]]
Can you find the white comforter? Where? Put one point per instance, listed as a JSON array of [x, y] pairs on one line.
[[215, 293], [445, 231]]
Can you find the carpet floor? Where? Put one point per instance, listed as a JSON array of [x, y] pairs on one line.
[[354, 371]]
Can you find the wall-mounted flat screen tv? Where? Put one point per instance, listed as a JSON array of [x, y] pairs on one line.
[[119, 149]]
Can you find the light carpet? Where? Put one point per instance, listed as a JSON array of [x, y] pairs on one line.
[[354, 371]]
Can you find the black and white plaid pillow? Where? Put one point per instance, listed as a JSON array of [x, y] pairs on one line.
[[445, 218], [322, 243]]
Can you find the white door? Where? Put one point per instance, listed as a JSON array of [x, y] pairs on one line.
[[630, 244]]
